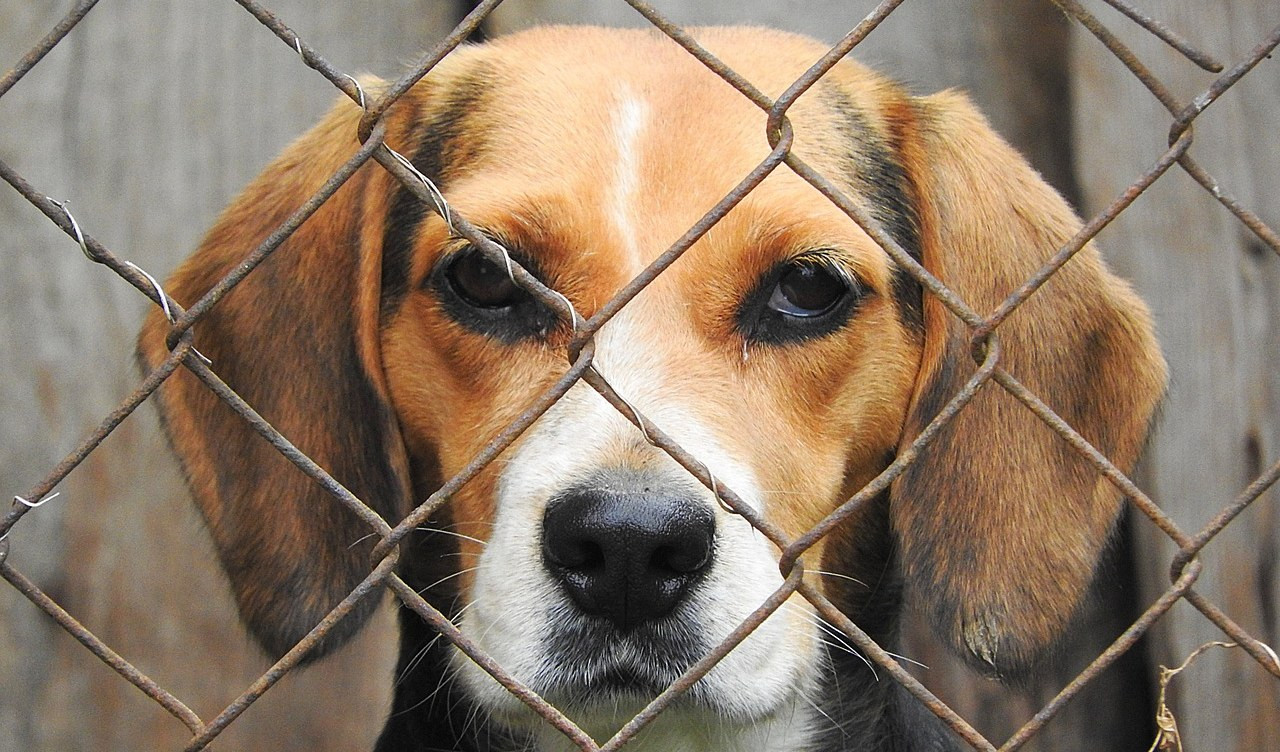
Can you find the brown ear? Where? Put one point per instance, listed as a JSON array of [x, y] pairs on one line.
[[297, 340], [1000, 524]]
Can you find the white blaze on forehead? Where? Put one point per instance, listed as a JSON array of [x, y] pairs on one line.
[[629, 118]]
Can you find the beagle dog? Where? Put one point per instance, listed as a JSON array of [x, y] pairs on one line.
[[785, 350]]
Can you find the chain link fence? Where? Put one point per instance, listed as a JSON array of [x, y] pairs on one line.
[[1184, 568]]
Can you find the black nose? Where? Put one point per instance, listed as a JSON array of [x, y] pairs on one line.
[[628, 557]]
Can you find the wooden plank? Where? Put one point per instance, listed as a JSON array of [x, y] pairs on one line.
[[148, 118], [1213, 288]]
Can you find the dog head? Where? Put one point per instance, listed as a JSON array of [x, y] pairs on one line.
[[785, 350]]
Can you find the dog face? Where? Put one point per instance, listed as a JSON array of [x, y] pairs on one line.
[[785, 350]]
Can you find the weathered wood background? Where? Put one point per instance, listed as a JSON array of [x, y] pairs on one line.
[[150, 116]]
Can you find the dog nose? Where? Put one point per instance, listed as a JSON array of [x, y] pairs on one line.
[[627, 557]]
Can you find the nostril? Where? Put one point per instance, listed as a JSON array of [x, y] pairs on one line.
[[689, 558], [575, 554]]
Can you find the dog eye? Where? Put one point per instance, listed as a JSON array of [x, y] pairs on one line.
[[800, 299], [480, 282], [807, 290], [480, 295]]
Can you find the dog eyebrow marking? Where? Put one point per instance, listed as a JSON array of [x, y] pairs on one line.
[[629, 120]]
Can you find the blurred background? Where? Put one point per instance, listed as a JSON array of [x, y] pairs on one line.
[[149, 117]]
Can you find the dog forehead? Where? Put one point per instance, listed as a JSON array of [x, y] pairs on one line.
[[559, 99], [580, 108]]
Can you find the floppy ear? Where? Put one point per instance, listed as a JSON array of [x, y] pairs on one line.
[[297, 339], [999, 523]]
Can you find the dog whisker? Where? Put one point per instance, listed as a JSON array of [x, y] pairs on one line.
[[447, 577], [456, 523], [841, 640], [839, 575], [442, 531], [809, 701], [361, 539], [905, 659], [426, 648]]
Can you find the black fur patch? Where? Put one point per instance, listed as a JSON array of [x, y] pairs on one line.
[[872, 169], [439, 156]]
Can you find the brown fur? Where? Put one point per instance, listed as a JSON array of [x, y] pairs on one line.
[[998, 525]]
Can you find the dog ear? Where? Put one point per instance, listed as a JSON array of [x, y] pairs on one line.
[[999, 522], [298, 340]]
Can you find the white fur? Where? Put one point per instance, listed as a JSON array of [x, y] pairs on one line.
[[629, 120], [762, 690]]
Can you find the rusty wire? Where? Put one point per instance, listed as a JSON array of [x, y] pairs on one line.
[[794, 580], [1168, 36], [370, 585], [983, 327], [43, 47], [1117, 648], [551, 714]]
